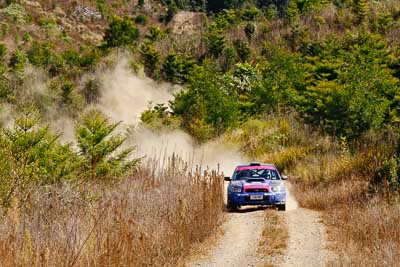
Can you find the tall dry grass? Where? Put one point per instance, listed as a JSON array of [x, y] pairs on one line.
[[151, 218], [362, 216]]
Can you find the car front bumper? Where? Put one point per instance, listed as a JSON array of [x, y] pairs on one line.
[[246, 199]]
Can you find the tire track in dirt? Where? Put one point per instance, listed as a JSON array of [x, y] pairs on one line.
[[238, 244], [307, 244]]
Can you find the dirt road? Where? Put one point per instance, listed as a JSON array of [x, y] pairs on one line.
[[242, 231]]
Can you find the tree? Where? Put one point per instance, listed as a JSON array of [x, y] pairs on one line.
[[151, 59], [205, 108], [31, 155], [362, 10], [99, 148], [171, 11], [120, 32], [242, 49], [215, 42], [176, 69], [249, 30], [18, 60]]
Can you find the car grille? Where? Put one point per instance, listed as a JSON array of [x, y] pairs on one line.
[[256, 190]]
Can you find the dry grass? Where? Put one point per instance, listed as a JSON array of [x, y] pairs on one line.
[[151, 218], [370, 232], [274, 237]]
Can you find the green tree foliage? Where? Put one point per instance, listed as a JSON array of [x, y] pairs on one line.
[[3, 51], [158, 118], [91, 91], [100, 149], [215, 42], [242, 49], [218, 5], [361, 9], [176, 69], [251, 14], [283, 77], [43, 55], [171, 10], [31, 155], [155, 33], [151, 59], [141, 19], [349, 99], [18, 60], [292, 12], [120, 32], [206, 109], [249, 30]]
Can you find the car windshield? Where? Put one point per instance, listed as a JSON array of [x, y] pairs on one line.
[[256, 173]]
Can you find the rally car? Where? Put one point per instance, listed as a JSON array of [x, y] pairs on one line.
[[256, 184]]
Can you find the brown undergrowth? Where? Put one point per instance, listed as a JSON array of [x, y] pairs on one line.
[[150, 218]]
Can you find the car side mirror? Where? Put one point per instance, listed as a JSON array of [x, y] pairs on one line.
[[227, 179], [284, 177]]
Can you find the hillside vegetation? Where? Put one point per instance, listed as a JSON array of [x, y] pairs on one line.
[[312, 86]]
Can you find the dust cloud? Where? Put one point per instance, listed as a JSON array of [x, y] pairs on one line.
[[124, 96]]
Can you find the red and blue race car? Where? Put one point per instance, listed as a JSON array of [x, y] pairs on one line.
[[256, 184]]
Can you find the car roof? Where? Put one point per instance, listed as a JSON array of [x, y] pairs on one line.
[[260, 166]]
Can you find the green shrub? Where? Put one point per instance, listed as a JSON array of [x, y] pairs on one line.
[[141, 19], [249, 30], [16, 12], [251, 14], [18, 60], [120, 32], [5, 90], [158, 118], [27, 37], [101, 6], [48, 23], [155, 33], [4, 29], [3, 52], [242, 49]]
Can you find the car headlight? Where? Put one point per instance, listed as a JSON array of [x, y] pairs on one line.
[[276, 188], [236, 187]]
